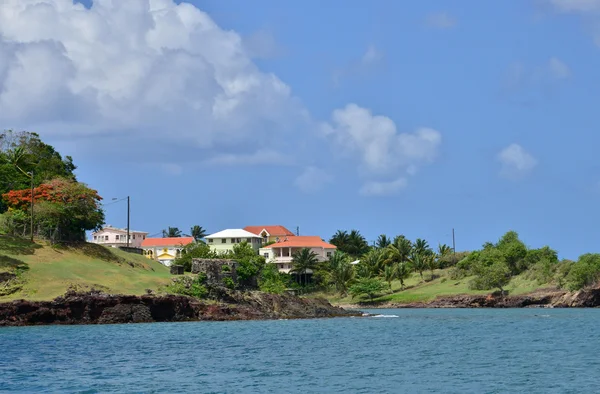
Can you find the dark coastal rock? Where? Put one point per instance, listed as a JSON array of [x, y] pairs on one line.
[[100, 308], [588, 298]]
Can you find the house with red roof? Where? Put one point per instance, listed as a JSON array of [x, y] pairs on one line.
[[282, 252], [165, 250], [272, 233]]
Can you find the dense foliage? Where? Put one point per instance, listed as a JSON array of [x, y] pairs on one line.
[[63, 210], [22, 153]]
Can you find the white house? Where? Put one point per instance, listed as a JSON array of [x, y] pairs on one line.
[[112, 236], [165, 250], [281, 253], [224, 241]]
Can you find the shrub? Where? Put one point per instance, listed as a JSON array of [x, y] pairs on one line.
[[229, 283], [188, 286]]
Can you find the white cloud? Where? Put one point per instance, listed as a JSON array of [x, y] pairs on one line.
[[558, 69], [536, 81], [375, 142], [260, 157], [371, 56], [369, 60], [516, 162], [383, 188], [312, 180], [148, 68], [440, 20]]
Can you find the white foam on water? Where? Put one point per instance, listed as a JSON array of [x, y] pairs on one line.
[[384, 316]]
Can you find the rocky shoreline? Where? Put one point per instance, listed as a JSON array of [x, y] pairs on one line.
[[99, 308], [589, 298]]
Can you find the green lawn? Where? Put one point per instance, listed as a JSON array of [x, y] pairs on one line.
[[47, 272], [418, 290]]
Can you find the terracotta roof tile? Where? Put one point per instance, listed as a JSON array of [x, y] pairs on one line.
[[173, 241], [274, 231], [302, 241]]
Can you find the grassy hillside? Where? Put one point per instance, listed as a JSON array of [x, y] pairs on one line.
[[44, 272], [418, 290]]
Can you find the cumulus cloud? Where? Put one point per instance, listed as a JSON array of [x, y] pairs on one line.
[[516, 162], [312, 180], [379, 189], [381, 150], [260, 157], [440, 20], [147, 67]]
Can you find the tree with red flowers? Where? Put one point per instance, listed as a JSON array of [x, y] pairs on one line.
[[64, 209]]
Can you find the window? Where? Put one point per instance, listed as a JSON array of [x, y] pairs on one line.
[[249, 240], [106, 237], [232, 240], [143, 237], [95, 237], [328, 254], [210, 240], [133, 234], [266, 255], [223, 241], [238, 240]]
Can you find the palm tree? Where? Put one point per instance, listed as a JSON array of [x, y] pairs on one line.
[[339, 239], [304, 260], [383, 241], [15, 157], [421, 247], [341, 271], [171, 232], [403, 270], [400, 249], [198, 232], [442, 251], [389, 274], [418, 262], [357, 244], [371, 263]]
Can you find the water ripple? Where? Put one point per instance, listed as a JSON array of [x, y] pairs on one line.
[[421, 351]]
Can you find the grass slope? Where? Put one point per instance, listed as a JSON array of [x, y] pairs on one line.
[[45, 272], [418, 290]]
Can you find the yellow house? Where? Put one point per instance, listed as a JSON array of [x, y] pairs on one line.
[[165, 250]]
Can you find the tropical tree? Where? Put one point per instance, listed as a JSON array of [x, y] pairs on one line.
[[389, 274], [302, 261], [353, 243], [64, 209], [371, 263], [22, 153], [194, 250], [339, 239], [382, 241], [341, 271], [198, 232], [403, 270], [419, 263], [367, 286], [171, 232], [421, 247]]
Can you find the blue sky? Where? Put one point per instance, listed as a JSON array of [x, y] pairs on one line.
[[388, 117]]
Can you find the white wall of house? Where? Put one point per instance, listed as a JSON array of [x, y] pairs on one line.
[[282, 256], [114, 237], [223, 245]]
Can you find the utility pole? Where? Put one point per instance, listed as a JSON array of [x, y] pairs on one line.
[[297, 230], [454, 246], [127, 221], [31, 174]]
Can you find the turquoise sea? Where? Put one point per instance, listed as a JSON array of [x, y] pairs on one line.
[[402, 351]]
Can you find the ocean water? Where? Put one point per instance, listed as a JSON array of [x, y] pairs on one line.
[[402, 351]]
